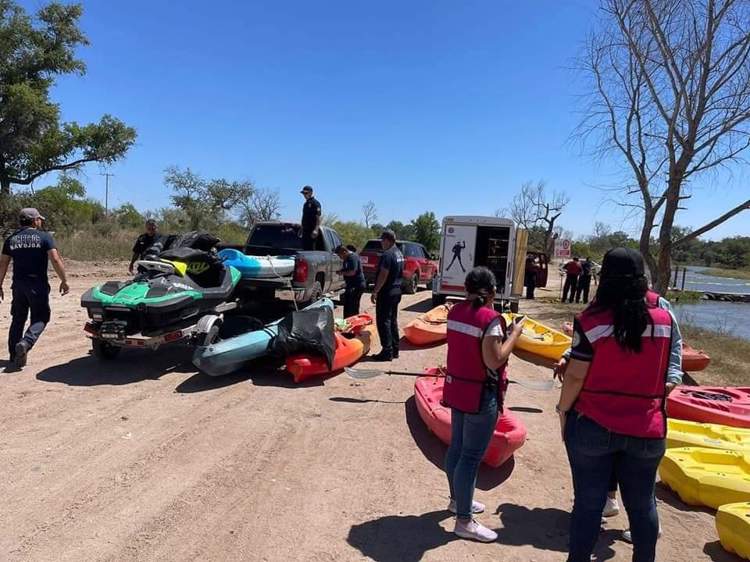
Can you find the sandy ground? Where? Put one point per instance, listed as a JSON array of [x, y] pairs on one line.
[[145, 459]]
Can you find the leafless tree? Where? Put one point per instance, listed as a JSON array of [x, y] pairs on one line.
[[671, 83], [370, 213], [261, 205], [532, 206]]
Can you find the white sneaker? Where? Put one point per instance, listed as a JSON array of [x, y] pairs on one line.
[[611, 508], [474, 531], [627, 537], [476, 507]]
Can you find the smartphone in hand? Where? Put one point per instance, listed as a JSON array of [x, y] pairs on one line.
[[519, 319]]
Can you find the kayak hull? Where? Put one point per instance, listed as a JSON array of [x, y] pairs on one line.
[[348, 352], [540, 340], [707, 477], [683, 433], [258, 267], [508, 437], [229, 355], [694, 360], [429, 328], [733, 526], [708, 404]]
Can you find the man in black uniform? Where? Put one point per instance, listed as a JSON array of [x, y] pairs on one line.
[[29, 248], [584, 281], [354, 278], [387, 295], [311, 213], [146, 245]]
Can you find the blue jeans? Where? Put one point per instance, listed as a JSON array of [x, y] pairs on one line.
[[594, 453], [470, 437], [28, 296]]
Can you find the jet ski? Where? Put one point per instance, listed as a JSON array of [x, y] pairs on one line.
[[181, 295]]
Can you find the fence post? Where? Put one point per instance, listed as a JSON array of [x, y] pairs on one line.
[[684, 274]]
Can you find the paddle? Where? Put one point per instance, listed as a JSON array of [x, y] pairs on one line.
[[364, 374]]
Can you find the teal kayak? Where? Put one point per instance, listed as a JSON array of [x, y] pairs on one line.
[[258, 267], [227, 356]]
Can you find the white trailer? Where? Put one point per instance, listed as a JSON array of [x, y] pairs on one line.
[[470, 241]]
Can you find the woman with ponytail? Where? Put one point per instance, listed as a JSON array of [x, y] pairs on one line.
[[475, 383], [612, 401]]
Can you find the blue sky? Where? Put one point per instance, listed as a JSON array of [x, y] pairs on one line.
[[420, 105]]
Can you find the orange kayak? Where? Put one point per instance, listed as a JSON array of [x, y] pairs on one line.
[[694, 360], [348, 352], [509, 434], [431, 327], [355, 324]]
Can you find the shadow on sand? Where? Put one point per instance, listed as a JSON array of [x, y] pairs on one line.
[[400, 538], [422, 306], [130, 367], [716, 552], [434, 450]]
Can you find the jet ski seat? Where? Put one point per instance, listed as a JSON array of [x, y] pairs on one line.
[[205, 268]]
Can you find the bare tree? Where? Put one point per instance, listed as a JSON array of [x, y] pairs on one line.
[[262, 205], [671, 83], [532, 206], [370, 213]]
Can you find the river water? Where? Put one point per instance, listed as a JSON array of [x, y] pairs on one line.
[[725, 317]]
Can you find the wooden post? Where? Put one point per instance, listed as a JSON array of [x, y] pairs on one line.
[[684, 274], [674, 283]]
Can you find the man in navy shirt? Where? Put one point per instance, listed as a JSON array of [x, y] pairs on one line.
[[387, 295], [311, 216], [354, 278], [29, 248]]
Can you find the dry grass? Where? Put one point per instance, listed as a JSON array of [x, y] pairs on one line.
[[733, 273], [730, 357], [93, 245]]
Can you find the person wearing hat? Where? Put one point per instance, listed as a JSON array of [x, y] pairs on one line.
[[612, 403], [30, 249], [386, 295], [147, 244], [311, 213]]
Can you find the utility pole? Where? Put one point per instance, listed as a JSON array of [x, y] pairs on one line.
[[107, 175]]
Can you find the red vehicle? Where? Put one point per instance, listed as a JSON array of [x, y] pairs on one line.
[[419, 266]]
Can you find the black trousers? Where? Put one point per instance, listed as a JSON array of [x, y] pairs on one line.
[[352, 297], [530, 282], [28, 296], [386, 317], [583, 287], [308, 242], [571, 284]]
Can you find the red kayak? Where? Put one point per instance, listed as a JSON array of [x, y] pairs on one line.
[[711, 404], [694, 360], [509, 435], [355, 324], [348, 352]]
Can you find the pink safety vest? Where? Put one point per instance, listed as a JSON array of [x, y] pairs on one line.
[[624, 391], [467, 374]]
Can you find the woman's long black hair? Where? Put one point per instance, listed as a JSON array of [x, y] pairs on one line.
[[622, 291], [480, 284]]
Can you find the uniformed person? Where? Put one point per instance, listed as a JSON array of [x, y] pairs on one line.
[[30, 249], [354, 278], [147, 244], [387, 295], [311, 213]]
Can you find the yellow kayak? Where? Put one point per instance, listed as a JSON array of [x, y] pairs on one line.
[[733, 525], [683, 433], [709, 477], [540, 340]]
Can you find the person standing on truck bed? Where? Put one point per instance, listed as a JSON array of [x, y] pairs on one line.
[[146, 245], [572, 270], [354, 279], [29, 248], [311, 212], [387, 295]]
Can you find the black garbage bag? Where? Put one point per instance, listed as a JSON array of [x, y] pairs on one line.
[[306, 331]]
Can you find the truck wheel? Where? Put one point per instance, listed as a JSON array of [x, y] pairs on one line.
[[315, 295], [410, 286], [103, 350], [437, 300]]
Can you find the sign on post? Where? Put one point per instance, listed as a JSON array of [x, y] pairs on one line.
[[563, 248]]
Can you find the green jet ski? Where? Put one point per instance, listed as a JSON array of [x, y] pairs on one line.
[[181, 295]]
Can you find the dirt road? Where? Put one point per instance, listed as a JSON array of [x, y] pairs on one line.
[[144, 459]]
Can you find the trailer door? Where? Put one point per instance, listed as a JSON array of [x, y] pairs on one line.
[[459, 246]]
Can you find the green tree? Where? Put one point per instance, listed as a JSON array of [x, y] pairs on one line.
[[403, 231], [205, 202], [34, 52], [64, 205], [127, 216], [427, 231], [352, 232]]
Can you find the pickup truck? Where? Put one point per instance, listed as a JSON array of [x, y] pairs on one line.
[[419, 266], [316, 273]]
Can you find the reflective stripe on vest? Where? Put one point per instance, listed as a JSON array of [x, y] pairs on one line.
[[624, 391]]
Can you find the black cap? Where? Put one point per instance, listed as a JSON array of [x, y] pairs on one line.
[[623, 263], [307, 189], [388, 234]]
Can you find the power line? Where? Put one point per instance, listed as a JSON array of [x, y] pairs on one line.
[[107, 175]]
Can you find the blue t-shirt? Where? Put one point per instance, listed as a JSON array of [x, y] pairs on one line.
[[352, 263], [392, 260], [28, 249]]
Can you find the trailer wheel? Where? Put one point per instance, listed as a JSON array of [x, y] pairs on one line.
[[103, 350], [438, 299], [410, 286]]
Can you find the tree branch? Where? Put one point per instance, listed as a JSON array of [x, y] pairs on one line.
[[714, 223]]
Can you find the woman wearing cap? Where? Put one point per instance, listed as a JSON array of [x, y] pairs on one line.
[[475, 383], [612, 404]]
